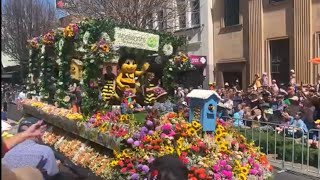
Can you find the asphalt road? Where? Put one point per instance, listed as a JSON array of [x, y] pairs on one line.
[[292, 176]]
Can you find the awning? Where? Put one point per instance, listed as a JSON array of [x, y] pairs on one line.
[[7, 60]]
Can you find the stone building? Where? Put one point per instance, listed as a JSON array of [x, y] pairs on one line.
[[272, 36]]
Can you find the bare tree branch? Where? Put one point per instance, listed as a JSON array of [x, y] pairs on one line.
[[22, 20]]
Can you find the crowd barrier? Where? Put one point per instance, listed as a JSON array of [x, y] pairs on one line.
[[285, 149]]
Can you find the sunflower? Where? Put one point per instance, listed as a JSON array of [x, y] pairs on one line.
[[191, 132], [178, 151], [179, 144], [218, 138], [218, 132], [244, 170], [196, 125], [223, 147], [242, 176], [124, 118]]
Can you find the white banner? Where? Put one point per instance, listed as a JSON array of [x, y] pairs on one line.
[[136, 39]]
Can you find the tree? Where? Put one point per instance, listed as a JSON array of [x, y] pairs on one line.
[[22, 20], [157, 14]]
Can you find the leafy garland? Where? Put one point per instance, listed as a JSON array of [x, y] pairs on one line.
[[47, 78], [173, 67], [33, 66], [65, 50]]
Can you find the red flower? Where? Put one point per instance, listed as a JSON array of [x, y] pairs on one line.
[[123, 170], [156, 148], [154, 173], [193, 178], [120, 163], [132, 171], [200, 171], [195, 148], [130, 165], [184, 154], [202, 176]]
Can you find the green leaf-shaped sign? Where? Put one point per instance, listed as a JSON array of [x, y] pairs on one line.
[[152, 42]]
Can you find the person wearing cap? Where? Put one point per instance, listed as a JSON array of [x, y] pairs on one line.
[[29, 153], [212, 86]]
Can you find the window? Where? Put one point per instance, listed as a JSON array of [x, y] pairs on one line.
[[231, 12], [161, 21], [181, 4], [195, 12], [275, 1]]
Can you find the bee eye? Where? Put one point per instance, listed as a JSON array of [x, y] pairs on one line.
[[128, 62]]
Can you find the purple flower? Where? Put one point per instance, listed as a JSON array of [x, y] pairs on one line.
[[137, 135], [149, 123], [216, 176], [130, 141], [139, 167], [150, 132], [145, 168], [136, 144], [144, 129], [134, 176]]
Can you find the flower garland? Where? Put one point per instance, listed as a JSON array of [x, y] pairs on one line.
[[65, 48], [175, 65], [33, 66]]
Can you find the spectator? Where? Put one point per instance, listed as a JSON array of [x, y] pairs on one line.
[[294, 107], [168, 167], [299, 127], [237, 116], [29, 153]]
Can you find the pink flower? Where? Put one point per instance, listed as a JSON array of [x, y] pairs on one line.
[[223, 163], [60, 4], [228, 167], [216, 168], [216, 176], [253, 172], [166, 127], [227, 174]]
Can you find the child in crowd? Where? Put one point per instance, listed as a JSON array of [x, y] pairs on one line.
[[237, 116]]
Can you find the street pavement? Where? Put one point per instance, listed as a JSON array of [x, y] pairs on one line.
[[292, 176]]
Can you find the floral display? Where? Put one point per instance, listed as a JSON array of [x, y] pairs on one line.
[[52, 110], [71, 31], [224, 155], [49, 38], [167, 49], [34, 43], [79, 153]]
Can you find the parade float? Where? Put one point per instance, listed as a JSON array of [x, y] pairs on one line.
[[67, 65]]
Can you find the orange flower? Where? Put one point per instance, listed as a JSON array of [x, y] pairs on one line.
[[264, 160]]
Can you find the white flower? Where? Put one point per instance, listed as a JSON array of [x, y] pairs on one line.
[[106, 37], [43, 49], [92, 61], [167, 49], [61, 43], [60, 83], [58, 61], [66, 99], [81, 82], [58, 91], [170, 69], [86, 37]]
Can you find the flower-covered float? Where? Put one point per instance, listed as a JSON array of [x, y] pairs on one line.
[[226, 154]]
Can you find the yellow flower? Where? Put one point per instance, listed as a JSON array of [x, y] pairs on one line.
[[114, 163], [196, 124], [178, 151], [218, 132], [191, 132], [223, 147], [242, 176], [105, 48], [218, 138], [169, 150], [244, 170], [94, 48]]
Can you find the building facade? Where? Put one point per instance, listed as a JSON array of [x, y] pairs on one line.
[[273, 36]]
